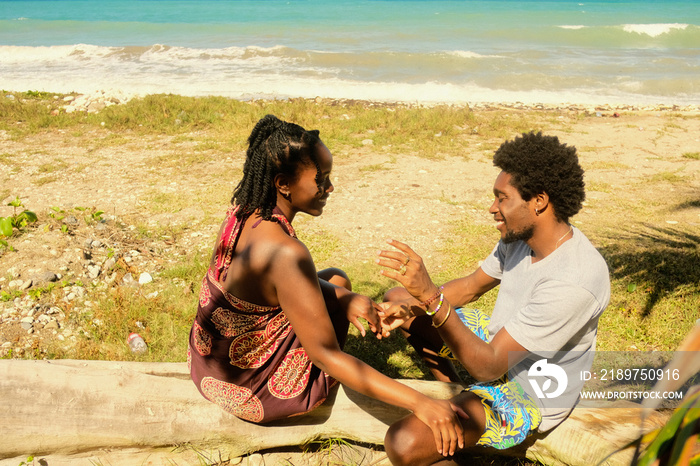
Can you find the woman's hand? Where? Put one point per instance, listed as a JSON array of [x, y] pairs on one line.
[[407, 268], [442, 417], [358, 307], [395, 313]]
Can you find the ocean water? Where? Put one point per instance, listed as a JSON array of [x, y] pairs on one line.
[[555, 51]]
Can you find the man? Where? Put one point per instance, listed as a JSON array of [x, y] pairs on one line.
[[554, 285]]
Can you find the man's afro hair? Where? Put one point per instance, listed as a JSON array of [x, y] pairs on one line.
[[541, 164]]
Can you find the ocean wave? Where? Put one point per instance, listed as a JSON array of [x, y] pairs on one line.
[[654, 30], [281, 71], [468, 54], [248, 85], [18, 54], [677, 36], [226, 54]]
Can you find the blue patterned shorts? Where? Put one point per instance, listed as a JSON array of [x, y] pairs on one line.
[[511, 415]]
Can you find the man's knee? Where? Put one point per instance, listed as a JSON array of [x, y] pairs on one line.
[[401, 443]]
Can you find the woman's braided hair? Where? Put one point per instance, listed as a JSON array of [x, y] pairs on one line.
[[274, 147]]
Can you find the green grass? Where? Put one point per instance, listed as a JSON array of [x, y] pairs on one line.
[[45, 180], [663, 303], [168, 202], [666, 176], [57, 165], [604, 165], [321, 244], [163, 320], [598, 186], [6, 158], [217, 123]]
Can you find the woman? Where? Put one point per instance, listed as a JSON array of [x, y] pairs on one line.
[[266, 341]]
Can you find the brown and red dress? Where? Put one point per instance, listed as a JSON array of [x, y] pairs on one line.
[[246, 357]]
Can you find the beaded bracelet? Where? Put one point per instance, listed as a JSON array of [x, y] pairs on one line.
[[430, 300], [427, 311], [447, 316]]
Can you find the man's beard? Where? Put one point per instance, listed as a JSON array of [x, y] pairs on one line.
[[522, 235]]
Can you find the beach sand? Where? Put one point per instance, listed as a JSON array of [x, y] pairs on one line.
[[634, 159]]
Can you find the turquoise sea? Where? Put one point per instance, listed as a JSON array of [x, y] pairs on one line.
[[556, 51]]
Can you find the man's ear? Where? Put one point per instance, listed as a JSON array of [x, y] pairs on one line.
[[541, 202]]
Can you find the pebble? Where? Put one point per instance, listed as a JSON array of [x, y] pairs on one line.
[[14, 283], [44, 277], [71, 220], [256, 459], [51, 325], [95, 102], [144, 278], [109, 263], [94, 271], [129, 280]]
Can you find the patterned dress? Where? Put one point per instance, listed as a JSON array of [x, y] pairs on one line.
[[245, 357]]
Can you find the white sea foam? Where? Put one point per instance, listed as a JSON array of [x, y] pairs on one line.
[[653, 30], [572, 26], [468, 54], [247, 86], [283, 72], [431, 93], [18, 54]]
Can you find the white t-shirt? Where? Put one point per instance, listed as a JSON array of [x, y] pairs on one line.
[[551, 308]]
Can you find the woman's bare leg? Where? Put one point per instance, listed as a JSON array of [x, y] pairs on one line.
[[335, 277]]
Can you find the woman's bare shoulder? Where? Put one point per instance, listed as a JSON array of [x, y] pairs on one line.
[[272, 242]]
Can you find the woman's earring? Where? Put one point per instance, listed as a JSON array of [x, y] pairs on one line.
[[287, 196], [537, 212]]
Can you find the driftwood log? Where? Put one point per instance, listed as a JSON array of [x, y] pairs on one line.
[[71, 407]]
